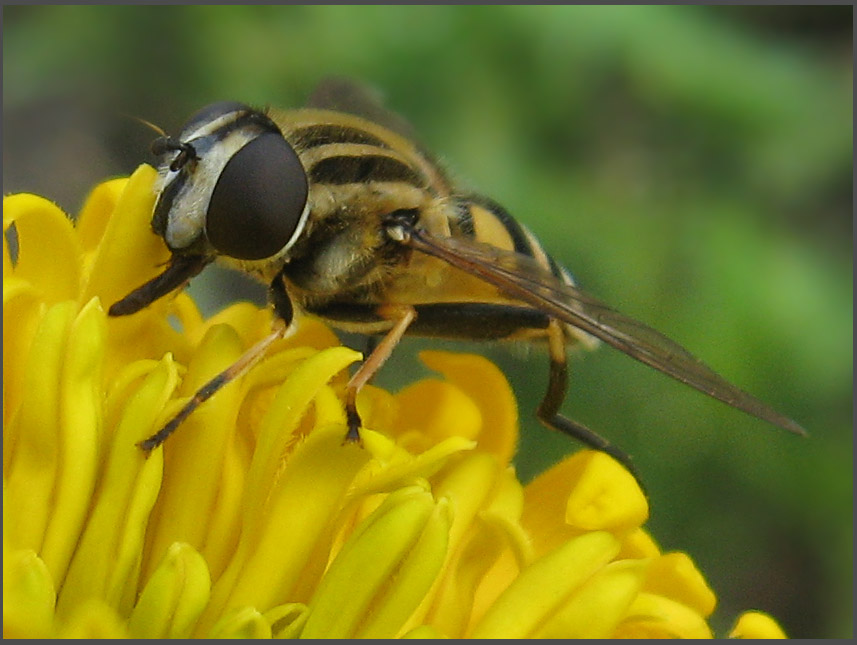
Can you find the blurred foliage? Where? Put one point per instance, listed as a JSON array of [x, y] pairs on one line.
[[691, 165]]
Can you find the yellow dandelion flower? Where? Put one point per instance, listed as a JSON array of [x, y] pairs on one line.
[[256, 520]]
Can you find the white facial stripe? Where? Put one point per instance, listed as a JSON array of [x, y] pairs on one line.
[[211, 127], [298, 229], [186, 220]]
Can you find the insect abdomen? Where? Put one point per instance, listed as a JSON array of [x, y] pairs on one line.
[[484, 220]]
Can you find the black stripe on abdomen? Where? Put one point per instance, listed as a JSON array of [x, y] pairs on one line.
[[519, 239], [556, 269], [451, 320]]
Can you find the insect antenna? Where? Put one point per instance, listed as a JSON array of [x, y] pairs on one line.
[[159, 130]]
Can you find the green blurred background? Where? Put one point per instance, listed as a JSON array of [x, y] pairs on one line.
[[691, 165]]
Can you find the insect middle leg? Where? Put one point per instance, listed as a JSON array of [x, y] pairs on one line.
[[237, 369], [402, 317], [548, 410], [284, 314]]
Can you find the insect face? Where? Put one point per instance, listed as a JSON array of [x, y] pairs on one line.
[[231, 185]]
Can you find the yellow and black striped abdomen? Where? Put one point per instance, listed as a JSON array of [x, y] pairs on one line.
[[453, 303], [485, 221]]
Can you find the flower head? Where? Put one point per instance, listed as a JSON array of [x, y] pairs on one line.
[[255, 520]]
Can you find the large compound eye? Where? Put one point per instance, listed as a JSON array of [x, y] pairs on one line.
[[258, 201]]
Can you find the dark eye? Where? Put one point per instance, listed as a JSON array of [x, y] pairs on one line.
[[258, 200]]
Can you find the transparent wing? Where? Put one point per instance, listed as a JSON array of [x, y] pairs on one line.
[[346, 95], [522, 278]]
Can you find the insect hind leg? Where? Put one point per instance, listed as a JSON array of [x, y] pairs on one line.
[[548, 410]]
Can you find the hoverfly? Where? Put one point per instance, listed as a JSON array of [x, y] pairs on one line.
[[346, 218]]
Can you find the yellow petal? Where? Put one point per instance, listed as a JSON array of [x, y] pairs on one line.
[[462, 591], [674, 576], [97, 209], [8, 265], [275, 368], [293, 398], [543, 586], [755, 624], [32, 470], [188, 317], [123, 387], [250, 322], [652, 616], [599, 605], [606, 496], [437, 410], [413, 578], [28, 595], [22, 314], [591, 491], [485, 384], [287, 620], [223, 527], [303, 493], [393, 467], [261, 386], [379, 410], [129, 252], [245, 622], [424, 632], [49, 254], [93, 620], [126, 494], [329, 411], [174, 596], [307, 495], [147, 335], [365, 564], [311, 332], [468, 485], [79, 427], [638, 544], [507, 500], [194, 455]]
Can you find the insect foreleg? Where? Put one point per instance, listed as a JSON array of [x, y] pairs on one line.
[[548, 410], [179, 271], [402, 316]]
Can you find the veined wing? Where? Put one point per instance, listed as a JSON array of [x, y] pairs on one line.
[[522, 278], [346, 95]]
